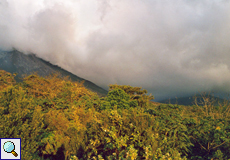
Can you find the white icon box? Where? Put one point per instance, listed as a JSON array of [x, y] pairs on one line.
[[10, 148]]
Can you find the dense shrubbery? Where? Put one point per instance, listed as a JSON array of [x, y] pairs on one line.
[[60, 119]]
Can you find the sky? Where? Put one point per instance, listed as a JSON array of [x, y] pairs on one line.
[[171, 48]]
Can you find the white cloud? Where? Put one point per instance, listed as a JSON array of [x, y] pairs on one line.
[[170, 48]]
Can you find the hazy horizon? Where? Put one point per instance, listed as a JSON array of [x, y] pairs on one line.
[[171, 48]]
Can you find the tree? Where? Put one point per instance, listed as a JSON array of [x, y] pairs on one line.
[[135, 93]]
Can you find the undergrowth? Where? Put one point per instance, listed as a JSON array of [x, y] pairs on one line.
[[60, 119]]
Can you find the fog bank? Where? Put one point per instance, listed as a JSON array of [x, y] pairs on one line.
[[170, 48]]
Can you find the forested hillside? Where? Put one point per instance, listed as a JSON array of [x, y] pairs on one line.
[[23, 64], [60, 119]]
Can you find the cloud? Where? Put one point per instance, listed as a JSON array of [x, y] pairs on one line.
[[170, 48]]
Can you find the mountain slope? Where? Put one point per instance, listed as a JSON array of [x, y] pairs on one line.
[[187, 101], [17, 62]]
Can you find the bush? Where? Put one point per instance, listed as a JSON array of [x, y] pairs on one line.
[[60, 119]]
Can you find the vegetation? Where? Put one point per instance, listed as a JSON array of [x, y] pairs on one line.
[[59, 119]]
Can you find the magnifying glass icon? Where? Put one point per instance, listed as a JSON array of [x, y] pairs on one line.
[[9, 147]]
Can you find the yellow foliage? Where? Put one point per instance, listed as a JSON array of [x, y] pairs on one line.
[[54, 87], [57, 120], [6, 79], [218, 128]]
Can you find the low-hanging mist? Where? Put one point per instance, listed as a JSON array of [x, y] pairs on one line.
[[170, 48]]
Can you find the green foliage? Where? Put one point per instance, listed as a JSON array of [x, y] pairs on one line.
[[172, 132], [210, 136], [60, 119], [23, 119], [135, 93], [119, 98]]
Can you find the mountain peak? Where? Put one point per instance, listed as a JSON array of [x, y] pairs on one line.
[[22, 64]]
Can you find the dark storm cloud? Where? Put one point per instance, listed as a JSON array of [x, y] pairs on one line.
[[170, 48]]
